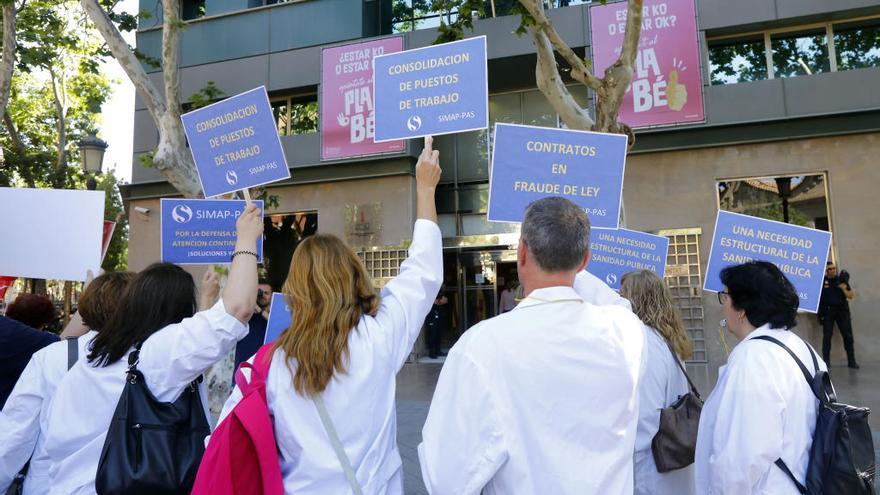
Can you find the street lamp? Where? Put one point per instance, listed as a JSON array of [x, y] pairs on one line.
[[91, 153], [783, 187]]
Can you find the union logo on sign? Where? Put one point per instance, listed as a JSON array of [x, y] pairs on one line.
[[231, 177], [182, 213], [611, 279], [414, 123]]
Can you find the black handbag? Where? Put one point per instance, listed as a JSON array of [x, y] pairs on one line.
[[152, 447], [17, 485], [676, 440]]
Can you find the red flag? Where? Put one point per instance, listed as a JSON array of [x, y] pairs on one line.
[[109, 227], [5, 283]]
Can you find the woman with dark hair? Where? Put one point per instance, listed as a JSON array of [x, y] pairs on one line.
[[664, 380], [342, 352], [157, 312], [761, 409], [23, 419]]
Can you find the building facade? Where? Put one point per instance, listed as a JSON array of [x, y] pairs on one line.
[[792, 101]]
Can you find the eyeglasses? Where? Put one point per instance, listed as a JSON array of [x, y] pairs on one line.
[[723, 296]]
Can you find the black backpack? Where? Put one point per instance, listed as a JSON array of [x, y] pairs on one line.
[[842, 455], [152, 447]]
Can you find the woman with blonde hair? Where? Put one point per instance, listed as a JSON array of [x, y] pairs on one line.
[[331, 381], [663, 382]]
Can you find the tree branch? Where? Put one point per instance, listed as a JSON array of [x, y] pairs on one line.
[[550, 83], [13, 134], [154, 101], [170, 33], [60, 124], [579, 71], [633, 32]]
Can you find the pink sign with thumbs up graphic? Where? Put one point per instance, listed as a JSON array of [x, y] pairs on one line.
[[347, 114], [667, 86]]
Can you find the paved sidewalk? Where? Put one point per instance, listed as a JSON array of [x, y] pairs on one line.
[[415, 386]]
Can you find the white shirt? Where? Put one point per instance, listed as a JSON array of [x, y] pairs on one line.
[[542, 399], [595, 291], [662, 384], [361, 401], [508, 301], [760, 410], [24, 418], [87, 397]]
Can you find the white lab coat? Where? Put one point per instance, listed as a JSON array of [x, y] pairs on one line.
[[84, 403], [24, 418], [760, 410], [662, 384], [360, 402], [542, 399], [595, 291]]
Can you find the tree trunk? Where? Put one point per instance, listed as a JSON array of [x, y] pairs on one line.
[[7, 63]]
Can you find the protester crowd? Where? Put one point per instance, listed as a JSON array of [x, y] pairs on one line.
[[577, 389]]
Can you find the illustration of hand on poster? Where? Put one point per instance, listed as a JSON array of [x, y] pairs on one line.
[[666, 86]]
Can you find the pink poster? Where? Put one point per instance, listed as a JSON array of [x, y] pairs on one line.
[[667, 86], [347, 116]]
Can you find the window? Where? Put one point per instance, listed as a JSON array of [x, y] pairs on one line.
[[410, 15], [738, 61], [801, 53], [192, 9], [799, 200], [295, 115], [857, 44]]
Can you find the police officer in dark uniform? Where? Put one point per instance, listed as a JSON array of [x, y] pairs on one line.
[[834, 308], [437, 321]]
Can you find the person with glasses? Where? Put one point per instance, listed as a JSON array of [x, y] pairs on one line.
[[761, 410]]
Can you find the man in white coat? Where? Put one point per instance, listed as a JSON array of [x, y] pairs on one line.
[[542, 399]]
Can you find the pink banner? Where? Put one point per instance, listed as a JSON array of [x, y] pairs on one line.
[[347, 115], [667, 86]]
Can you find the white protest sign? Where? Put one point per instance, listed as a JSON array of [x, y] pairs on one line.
[[51, 233]]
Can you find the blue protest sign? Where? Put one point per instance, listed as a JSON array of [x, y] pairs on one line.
[[615, 252], [201, 231], [433, 90], [530, 163], [235, 143], [800, 252], [279, 318]]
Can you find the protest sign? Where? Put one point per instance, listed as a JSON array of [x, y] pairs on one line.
[[615, 252], [201, 231], [666, 87], [348, 118], [235, 143], [279, 318], [433, 90], [52, 234], [530, 163], [109, 228], [800, 252]]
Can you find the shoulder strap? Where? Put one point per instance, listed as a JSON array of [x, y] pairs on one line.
[[681, 367], [781, 465], [807, 375], [259, 369], [337, 445], [72, 351]]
